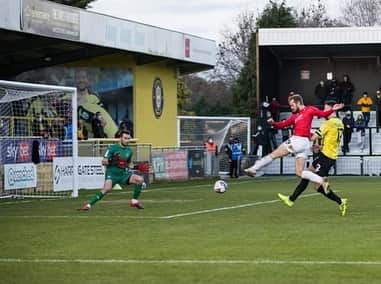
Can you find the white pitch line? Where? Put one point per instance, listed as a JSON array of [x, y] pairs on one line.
[[203, 185], [78, 217], [229, 207], [15, 202], [155, 217], [193, 261]]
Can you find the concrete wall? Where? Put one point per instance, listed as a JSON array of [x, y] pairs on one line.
[[149, 129]]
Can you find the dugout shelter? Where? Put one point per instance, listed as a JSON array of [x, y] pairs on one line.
[[132, 67], [296, 59]]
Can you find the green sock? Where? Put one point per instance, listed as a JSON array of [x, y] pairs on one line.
[[98, 196], [137, 190]]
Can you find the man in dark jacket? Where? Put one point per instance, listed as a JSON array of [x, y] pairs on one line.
[[321, 91], [348, 122], [378, 109], [347, 88], [228, 151], [97, 125]]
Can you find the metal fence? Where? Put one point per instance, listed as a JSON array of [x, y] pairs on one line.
[[183, 163], [345, 165]]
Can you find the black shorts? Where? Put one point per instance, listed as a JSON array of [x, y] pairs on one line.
[[323, 164]]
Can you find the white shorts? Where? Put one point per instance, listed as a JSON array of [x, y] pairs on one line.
[[299, 146]]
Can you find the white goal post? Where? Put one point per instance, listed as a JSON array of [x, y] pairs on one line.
[[193, 131], [38, 123]]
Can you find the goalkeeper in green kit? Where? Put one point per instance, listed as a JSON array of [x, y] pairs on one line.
[[117, 161]]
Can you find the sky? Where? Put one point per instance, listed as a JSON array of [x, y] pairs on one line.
[[204, 18]]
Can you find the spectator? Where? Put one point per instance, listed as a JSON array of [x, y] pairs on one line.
[[268, 130], [97, 126], [80, 135], [228, 150], [2, 127], [68, 129], [211, 157], [19, 108], [128, 124], [124, 125], [290, 94], [347, 89], [321, 91], [378, 109], [236, 150], [274, 109], [272, 132], [85, 132], [259, 141], [265, 110], [360, 126], [348, 123], [333, 91], [40, 126], [285, 133], [365, 103], [58, 128], [42, 105]]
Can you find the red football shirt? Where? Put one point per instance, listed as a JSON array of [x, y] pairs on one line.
[[302, 120]]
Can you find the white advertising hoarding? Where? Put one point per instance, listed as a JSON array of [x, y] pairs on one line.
[[90, 173], [17, 176]]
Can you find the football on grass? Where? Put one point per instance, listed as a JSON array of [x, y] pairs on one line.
[[220, 186]]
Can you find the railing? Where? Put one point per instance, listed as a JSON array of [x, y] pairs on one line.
[[14, 126], [345, 165]]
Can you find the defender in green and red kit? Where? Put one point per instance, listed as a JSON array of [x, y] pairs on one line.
[[117, 161]]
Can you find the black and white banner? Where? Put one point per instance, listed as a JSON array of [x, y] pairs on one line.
[[90, 173]]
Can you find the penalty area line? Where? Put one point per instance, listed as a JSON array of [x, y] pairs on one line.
[[229, 207], [193, 261]]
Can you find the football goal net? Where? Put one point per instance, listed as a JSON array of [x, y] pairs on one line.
[[38, 123], [195, 130]]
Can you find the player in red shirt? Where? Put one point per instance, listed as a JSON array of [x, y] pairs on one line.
[[299, 143]]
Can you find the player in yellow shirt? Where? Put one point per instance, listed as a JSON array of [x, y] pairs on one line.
[[329, 134]]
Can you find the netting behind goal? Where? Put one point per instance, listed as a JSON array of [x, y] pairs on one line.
[[194, 131], [37, 124]]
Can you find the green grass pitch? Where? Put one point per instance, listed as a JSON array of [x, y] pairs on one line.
[[189, 234]]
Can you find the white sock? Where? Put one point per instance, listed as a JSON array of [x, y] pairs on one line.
[[262, 162], [312, 177], [134, 201]]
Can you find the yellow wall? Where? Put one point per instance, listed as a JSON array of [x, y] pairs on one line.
[[147, 128]]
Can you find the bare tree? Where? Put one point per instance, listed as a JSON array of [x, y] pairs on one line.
[[315, 15], [362, 13], [233, 50]]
